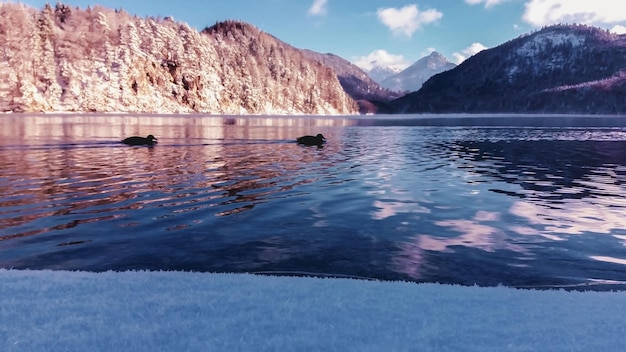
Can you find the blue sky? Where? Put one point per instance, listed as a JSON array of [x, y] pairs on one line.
[[386, 31]]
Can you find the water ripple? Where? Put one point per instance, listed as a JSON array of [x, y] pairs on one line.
[[532, 207]]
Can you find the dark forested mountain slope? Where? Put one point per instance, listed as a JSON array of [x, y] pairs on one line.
[[379, 73], [559, 69]]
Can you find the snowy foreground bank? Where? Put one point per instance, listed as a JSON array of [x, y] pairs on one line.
[[172, 311]]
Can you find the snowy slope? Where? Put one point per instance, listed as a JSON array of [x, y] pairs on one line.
[[170, 311], [412, 78], [380, 73]]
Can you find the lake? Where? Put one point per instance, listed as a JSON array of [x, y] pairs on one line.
[[521, 201]]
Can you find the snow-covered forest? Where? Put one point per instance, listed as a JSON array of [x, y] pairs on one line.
[[62, 58]]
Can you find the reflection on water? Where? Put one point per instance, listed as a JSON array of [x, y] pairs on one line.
[[390, 198], [579, 183]]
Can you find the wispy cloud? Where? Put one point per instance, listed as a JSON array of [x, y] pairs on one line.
[[597, 12], [473, 49], [318, 8], [488, 3], [408, 19], [380, 58]]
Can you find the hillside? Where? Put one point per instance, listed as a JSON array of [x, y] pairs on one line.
[[96, 59], [559, 69]]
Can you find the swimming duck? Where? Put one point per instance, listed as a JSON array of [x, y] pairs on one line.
[[135, 140], [311, 140]]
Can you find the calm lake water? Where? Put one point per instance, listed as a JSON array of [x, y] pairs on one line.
[[524, 201]]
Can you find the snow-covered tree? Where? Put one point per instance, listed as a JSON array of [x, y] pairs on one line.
[[98, 59]]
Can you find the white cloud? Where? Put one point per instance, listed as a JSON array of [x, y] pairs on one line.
[[618, 29], [318, 8], [488, 3], [596, 12], [380, 58], [427, 52], [467, 52], [408, 19]]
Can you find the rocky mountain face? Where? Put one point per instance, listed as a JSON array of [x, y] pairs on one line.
[[413, 77], [358, 84], [559, 69], [67, 59]]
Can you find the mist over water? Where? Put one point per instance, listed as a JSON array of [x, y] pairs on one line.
[[526, 201]]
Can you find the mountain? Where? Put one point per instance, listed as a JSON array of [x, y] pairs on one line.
[[379, 73], [559, 69], [358, 84], [412, 78], [97, 59]]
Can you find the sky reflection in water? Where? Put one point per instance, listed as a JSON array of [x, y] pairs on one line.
[[402, 198]]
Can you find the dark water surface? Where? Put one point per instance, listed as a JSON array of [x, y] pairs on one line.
[[525, 201]]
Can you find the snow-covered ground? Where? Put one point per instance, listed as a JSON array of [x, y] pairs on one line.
[[175, 311]]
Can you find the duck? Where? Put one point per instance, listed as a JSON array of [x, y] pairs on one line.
[[136, 140], [311, 140]]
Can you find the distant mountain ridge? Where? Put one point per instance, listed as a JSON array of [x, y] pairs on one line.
[[379, 73], [558, 69], [358, 84], [69, 59], [413, 77]]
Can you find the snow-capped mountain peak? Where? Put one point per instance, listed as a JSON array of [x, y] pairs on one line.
[[381, 72], [412, 78]]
